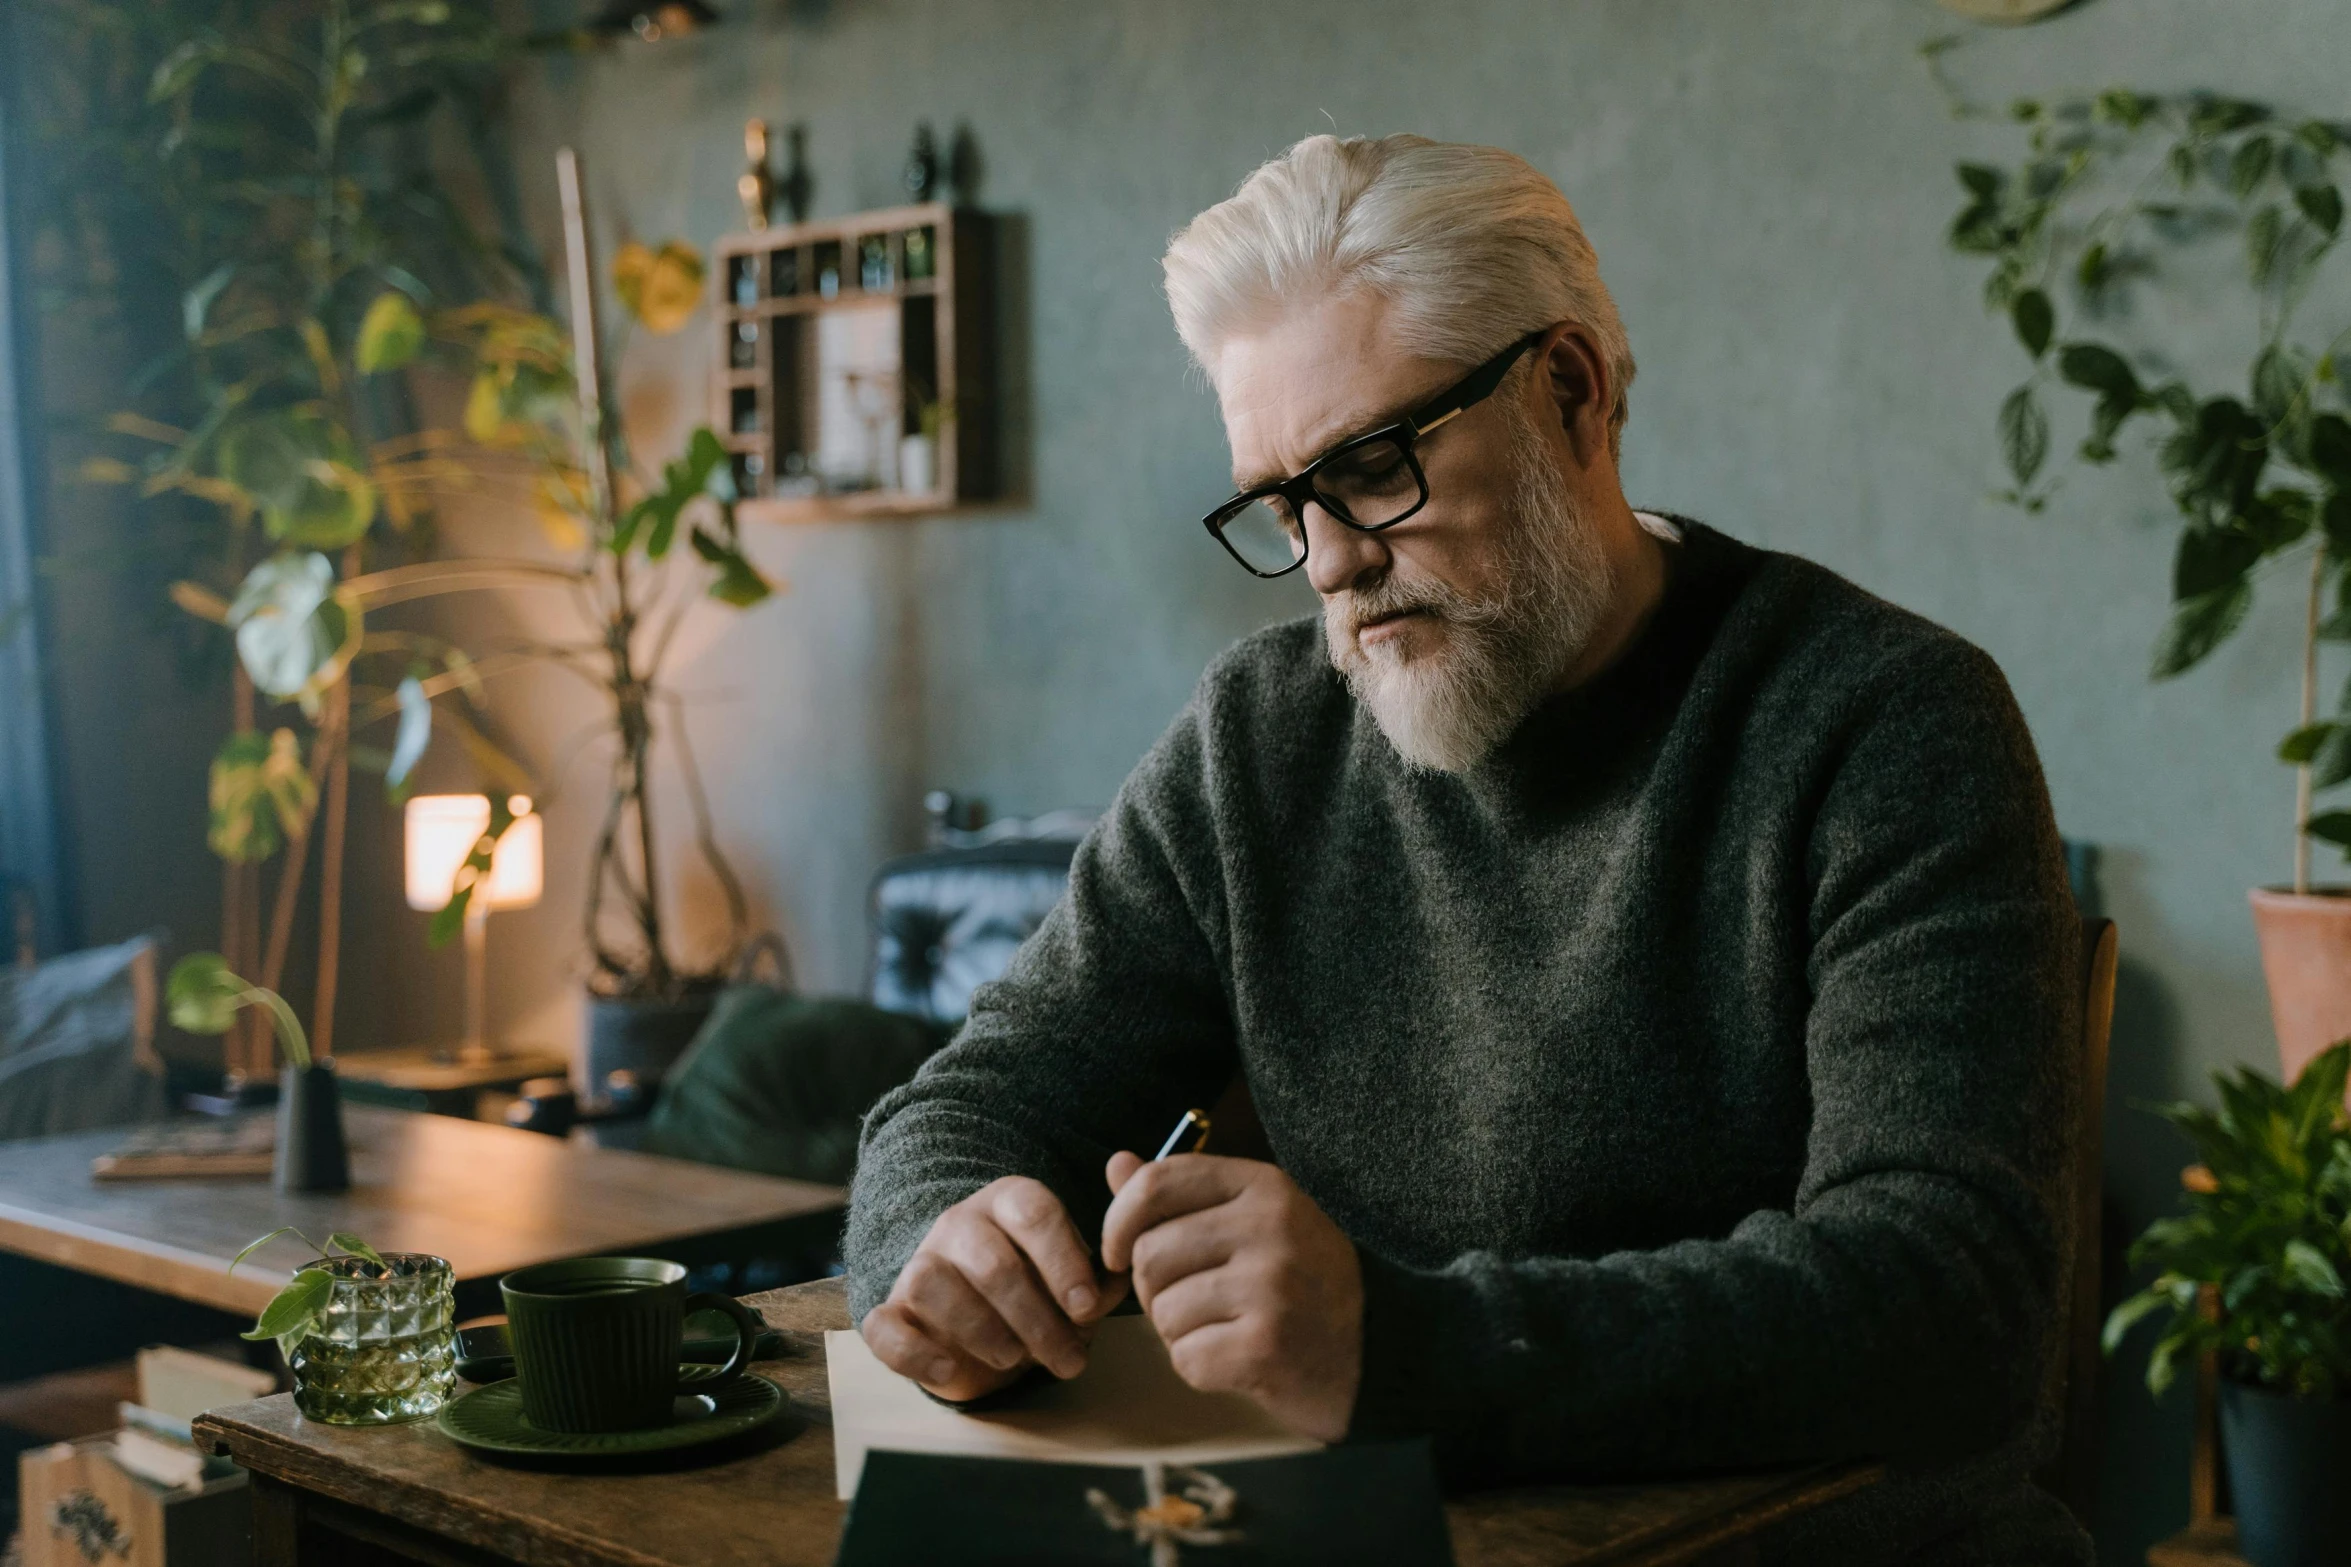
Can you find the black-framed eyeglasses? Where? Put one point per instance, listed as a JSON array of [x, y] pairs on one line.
[[1371, 482]]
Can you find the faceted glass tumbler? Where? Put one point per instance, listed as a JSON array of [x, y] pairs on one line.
[[384, 1350]]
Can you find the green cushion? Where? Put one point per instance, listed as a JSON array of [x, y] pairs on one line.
[[778, 1083]]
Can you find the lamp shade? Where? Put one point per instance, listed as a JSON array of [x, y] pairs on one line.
[[441, 831]]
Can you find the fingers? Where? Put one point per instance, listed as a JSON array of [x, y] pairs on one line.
[[1166, 1189], [1219, 1357], [995, 1288], [1197, 1301], [899, 1342], [952, 1311], [1121, 1168], [1041, 1227], [1167, 1253]]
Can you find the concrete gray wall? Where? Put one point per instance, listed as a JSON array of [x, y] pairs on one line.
[[1767, 186]]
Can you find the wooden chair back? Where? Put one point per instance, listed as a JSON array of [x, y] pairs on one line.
[[2072, 1472]]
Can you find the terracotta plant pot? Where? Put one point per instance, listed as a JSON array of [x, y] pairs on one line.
[[2306, 956]]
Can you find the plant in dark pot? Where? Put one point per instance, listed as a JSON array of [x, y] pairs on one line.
[[649, 546], [2253, 1273], [2127, 206], [205, 998]]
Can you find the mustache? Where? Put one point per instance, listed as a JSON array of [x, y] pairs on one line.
[[1392, 595]]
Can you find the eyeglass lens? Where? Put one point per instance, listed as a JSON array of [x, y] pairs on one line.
[[1370, 486]]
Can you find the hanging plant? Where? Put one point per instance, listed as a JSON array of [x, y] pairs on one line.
[[2113, 190]]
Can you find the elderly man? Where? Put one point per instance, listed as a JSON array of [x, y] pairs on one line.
[[1649, 956]]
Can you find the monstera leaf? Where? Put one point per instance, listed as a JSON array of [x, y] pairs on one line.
[[261, 795], [305, 476], [390, 334], [291, 626]]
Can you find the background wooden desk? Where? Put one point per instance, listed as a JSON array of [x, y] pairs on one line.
[[329, 1496], [488, 1198]]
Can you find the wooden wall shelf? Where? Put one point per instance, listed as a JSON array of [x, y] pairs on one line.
[[839, 341]]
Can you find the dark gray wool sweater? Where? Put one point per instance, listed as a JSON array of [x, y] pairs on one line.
[[1695, 1077]]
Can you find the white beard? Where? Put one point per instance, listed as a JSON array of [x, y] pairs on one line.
[[1446, 708]]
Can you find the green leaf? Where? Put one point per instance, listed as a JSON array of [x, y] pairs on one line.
[[260, 795], [304, 473], [2281, 378], [2331, 826], [390, 334], [1982, 181], [2024, 434], [2251, 164], [2303, 743], [354, 1246], [290, 625], [2093, 270], [295, 1307], [415, 731], [2305, 1265], [2100, 370], [451, 918], [204, 997], [2330, 763], [253, 1246], [2199, 625], [2034, 320], [2262, 233], [2322, 205], [2211, 558], [2330, 449], [2128, 1315], [2106, 421], [738, 582]]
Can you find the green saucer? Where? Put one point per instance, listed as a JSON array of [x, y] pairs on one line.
[[491, 1418]]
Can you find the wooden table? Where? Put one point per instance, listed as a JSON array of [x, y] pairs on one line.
[[409, 1491], [488, 1198]]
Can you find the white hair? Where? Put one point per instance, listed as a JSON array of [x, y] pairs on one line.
[[1471, 246]]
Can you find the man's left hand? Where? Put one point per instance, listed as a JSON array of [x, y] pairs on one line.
[[1251, 1285]]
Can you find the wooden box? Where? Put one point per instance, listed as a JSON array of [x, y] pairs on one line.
[[79, 1508]]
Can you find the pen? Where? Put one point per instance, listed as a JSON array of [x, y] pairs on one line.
[[1194, 1126]]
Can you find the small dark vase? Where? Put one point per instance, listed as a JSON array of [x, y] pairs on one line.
[[639, 1041], [2287, 1461], [312, 1156]]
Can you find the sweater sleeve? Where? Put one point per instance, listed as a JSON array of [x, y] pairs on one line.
[[1111, 1020], [1905, 1304]]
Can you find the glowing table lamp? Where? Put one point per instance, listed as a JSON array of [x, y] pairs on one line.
[[441, 831]]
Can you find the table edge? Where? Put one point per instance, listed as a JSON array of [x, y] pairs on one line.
[[336, 1478]]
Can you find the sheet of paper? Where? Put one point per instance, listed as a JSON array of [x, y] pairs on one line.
[[1127, 1407]]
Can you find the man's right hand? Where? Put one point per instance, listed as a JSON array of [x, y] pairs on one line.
[[1001, 1282]]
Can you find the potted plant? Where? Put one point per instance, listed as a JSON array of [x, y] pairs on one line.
[[204, 997], [369, 1336], [240, 196], [2253, 1273], [644, 546], [2113, 187]]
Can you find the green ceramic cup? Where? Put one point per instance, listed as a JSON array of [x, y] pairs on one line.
[[598, 1341]]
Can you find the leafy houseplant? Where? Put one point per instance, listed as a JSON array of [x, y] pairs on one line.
[[241, 190], [2254, 1273], [369, 1337], [204, 997], [2116, 190]]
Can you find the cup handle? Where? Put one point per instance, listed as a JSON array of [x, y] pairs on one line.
[[748, 1327]]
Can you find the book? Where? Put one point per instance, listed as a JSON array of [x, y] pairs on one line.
[[183, 1384], [1373, 1504], [174, 1465], [240, 1145], [1127, 1407]]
